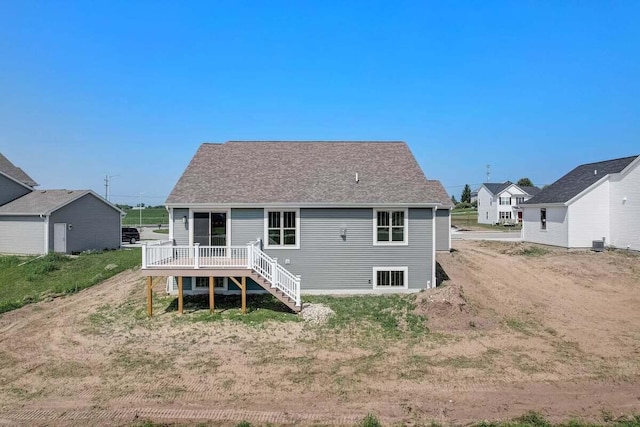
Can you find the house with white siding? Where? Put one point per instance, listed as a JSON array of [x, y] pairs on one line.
[[302, 217], [35, 222], [594, 202], [499, 203]]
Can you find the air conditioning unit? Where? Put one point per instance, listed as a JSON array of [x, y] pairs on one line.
[[597, 245]]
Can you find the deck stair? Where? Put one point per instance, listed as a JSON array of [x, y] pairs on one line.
[[248, 261]]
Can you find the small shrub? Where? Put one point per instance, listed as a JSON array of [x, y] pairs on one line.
[[370, 421]]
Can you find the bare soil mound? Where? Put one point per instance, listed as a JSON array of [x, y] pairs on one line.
[[447, 309]]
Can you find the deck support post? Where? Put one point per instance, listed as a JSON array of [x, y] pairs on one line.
[[243, 288], [211, 294], [180, 295], [244, 295], [149, 296]]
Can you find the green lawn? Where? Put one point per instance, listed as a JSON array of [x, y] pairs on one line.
[[29, 279], [468, 219], [150, 216]]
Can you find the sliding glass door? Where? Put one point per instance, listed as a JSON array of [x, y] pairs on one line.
[[210, 228]]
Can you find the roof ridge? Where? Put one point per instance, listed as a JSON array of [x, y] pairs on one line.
[[610, 160]]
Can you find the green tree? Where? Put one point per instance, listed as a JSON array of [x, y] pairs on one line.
[[466, 194], [453, 200], [524, 182]]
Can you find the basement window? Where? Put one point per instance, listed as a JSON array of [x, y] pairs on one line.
[[390, 277]]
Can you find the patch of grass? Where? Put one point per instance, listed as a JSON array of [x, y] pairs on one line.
[[375, 316], [534, 251], [519, 326], [261, 308], [482, 361], [370, 421], [140, 360], [535, 419], [150, 216], [30, 279], [64, 369]]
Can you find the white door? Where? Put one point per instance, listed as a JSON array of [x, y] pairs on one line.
[[60, 237]]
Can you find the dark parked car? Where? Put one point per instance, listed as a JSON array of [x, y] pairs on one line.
[[130, 234]]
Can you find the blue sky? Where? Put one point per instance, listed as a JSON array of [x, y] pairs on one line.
[[130, 89]]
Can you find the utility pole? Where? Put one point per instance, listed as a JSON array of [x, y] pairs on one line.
[[107, 182], [140, 210]]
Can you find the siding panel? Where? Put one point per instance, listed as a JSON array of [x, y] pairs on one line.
[[10, 190], [95, 225], [327, 262], [589, 217], [247, 225], [443, 229], [557, 230], [180, 229], [625, 210], [22, 235]]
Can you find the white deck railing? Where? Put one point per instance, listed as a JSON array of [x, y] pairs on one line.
[[166, 256]]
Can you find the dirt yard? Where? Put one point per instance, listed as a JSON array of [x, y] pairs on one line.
[[516, 328]]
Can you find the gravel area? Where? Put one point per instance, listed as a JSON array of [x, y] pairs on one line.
[[316, 314]]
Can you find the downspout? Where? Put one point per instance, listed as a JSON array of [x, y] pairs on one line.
[[170, 211], [449, 232], [46, 233], [433, 247]]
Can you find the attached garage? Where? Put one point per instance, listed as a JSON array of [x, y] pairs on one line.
[[65, 221]]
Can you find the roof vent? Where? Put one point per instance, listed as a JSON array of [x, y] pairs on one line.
[[595, 171], [357, 178]]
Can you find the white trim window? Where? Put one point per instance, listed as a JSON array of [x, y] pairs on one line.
[[505, 201], [505, 215], [282, 229], [202, 283], [390, 227], [390, 277]]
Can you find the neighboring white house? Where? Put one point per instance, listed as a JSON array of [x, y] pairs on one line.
[[499, 203], [594, 201]]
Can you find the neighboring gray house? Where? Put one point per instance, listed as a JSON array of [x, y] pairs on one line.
[[14, 182], [594, 201], [37, 222], [499, 203], [302, 217]]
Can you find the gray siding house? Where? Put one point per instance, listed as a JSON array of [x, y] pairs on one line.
[[320, 217], [34, 222]]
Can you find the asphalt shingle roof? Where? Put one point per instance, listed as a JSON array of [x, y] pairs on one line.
[[578, 180], [15, 172], [498, 187], [305, 172], [41, 202]]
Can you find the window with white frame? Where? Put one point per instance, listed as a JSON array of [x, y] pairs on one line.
[[390, 227], [520, 200], [390, 277], [282, 229], [203, 283], [505, 200], [505, 215]]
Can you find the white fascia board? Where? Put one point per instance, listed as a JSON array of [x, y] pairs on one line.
[[543, 205], [299, 205]]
